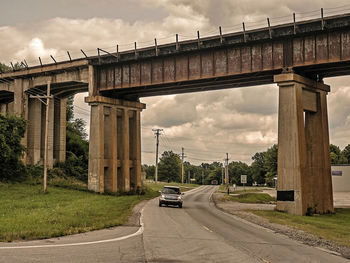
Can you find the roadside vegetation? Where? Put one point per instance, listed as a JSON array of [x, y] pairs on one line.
[[253, 198], [334, 227], [27, 213]]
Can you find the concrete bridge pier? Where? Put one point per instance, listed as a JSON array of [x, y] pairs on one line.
[[56, 132], [115, 144], [34, 111], [304, 173]]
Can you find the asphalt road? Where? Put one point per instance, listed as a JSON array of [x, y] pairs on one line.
[[196, 233]]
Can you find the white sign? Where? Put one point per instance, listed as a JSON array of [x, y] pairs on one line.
[[243, 178]]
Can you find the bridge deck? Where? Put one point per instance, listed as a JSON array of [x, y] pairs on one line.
[[315, 48]]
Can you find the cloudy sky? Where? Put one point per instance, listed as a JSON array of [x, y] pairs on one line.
[[209, 124]]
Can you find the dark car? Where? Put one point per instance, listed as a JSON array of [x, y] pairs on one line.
[[171, 195]]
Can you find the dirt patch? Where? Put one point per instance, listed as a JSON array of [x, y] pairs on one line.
[[134, 219], [239, 209]]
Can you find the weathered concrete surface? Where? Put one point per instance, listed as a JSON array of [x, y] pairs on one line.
[[304, 173], [114, 149]]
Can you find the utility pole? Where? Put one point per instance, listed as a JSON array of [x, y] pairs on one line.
[[47, 103], [157, 132], [222, 174], [189, 177], [226, 170], [182, 164]]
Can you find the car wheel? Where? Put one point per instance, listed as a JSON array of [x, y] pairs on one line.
[[180, 205], [160, 204]]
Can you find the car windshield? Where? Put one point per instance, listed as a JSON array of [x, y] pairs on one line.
[[171, 191]]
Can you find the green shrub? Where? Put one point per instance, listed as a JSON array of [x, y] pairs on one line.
[[12, 130]]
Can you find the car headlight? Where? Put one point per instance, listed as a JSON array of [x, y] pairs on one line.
[[163, 196], [179, 197]]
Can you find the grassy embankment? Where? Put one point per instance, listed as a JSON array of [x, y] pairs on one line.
[[334, 227], [68, 208], [250, 195], [255, 198]]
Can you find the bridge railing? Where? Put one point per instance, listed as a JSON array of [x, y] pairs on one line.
[[164, 38]]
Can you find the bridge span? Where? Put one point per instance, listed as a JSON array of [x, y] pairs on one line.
[[296, 56]]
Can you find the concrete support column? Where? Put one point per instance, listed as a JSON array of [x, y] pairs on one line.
[[304, 176], [137, 150], [115, 144], [3, 109], [318, 158], [20, 107], [10, 107], [18, 98], [110, 149], [125, 162], [60, 130], [96, 149], [34, 131]]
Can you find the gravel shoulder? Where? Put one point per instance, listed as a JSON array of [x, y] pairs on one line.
[[240, 210]]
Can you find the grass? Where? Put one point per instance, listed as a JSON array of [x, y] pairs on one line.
[[256, 198], [223, 188], [334, 227], [27, 213], [246, 191]]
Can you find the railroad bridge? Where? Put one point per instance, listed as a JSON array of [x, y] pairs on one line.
[[296, 56]]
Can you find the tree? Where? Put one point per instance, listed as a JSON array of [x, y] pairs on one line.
[[4, 68], [149, 170], [346, 153], [337, 156], [77, 146], [12, 130], [264, 166], [70, 109], [258, 168], [236, 169], [169, 167], [270, 163], [214, 174], [16, 66]]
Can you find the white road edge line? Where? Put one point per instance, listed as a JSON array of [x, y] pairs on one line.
[[138, 232]]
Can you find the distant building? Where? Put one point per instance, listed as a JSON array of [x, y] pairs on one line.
[[341, 178]]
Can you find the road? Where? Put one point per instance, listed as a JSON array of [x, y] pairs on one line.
[[196, 233]]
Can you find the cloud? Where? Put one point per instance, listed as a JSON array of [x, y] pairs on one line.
[[35, 49], [208, 124]]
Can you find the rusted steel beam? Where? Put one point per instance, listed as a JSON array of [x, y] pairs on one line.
[[299, 52], [315, 48]]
